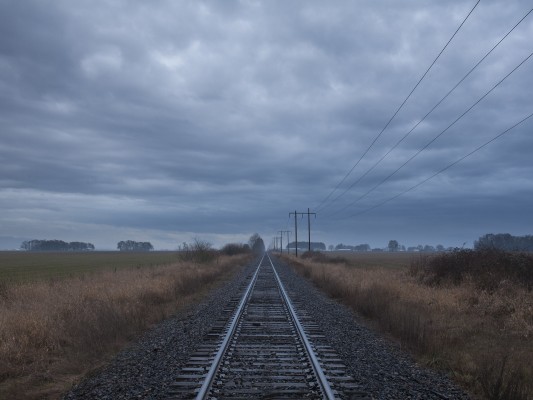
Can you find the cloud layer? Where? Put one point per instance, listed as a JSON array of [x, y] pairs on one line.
[[170, 120]]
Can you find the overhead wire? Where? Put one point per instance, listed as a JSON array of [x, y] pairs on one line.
[[432, 140], [441, 170], [430, 111], [398, 110]]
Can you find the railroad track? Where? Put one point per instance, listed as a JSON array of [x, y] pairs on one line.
[[263, 346]]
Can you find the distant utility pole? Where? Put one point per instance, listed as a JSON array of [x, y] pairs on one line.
[[309, 226], [276, 242], [282, 240], [296, 213], [295, 230]]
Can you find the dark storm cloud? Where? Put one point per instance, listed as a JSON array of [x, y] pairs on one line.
[[176, 119]]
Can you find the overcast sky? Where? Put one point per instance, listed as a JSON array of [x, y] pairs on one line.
[[163, 121]]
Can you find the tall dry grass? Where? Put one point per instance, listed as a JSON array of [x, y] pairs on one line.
[[51, 333], [481, 337]]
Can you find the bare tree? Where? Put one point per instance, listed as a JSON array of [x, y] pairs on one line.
[[393, 245]]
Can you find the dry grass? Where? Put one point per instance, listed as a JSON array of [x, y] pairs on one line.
[[371, 260], [483, 338], [52, 332]]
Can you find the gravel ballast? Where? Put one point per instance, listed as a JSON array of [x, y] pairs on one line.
[[146, 368]]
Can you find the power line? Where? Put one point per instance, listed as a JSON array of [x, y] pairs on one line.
[[443, 169], [287, 223], [431, 110], [432, 140], [319, 207]]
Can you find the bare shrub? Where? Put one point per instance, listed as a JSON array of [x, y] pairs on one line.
[[486, 268], [232, 249], [199, 251]]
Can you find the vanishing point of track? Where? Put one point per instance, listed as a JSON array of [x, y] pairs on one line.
[[264, 347]]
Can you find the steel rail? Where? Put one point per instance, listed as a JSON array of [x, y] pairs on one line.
[[204, 389], [322, 380]]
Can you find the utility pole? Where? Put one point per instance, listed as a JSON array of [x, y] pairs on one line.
[[280, 243], [309, 227], [295, 230], [296, 213], [282, 240]]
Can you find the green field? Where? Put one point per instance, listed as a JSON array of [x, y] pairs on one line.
[[18, 266]]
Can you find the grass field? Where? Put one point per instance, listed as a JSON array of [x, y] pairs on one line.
[[19, 266], [477, 328], [55, 331], [372, 260]]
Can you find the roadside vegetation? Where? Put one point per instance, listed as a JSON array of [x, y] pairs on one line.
[[469, 313], [60, 327]]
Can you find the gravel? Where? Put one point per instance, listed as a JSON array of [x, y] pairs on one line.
[[146, 368]]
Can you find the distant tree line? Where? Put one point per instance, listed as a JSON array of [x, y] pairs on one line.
[[131, 245], [392, 247], [429, 248], [232, 249], [256, 243], [200, 251], [315, 246], [504, 241], [359, 247], [55, 245]]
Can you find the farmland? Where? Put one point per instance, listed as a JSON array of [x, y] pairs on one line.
[[64, 314], [373, 260], [18, 266]]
